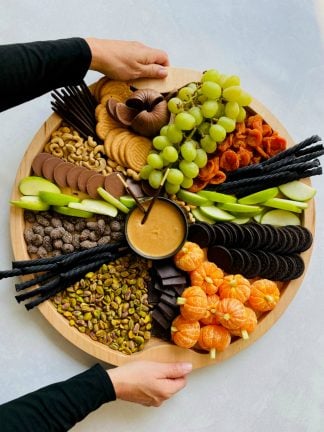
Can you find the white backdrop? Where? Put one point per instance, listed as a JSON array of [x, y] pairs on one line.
[[277, 49]]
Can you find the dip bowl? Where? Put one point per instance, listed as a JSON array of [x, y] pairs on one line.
[[162, 234]]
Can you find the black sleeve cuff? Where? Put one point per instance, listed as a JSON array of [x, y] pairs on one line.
[[31, 69]]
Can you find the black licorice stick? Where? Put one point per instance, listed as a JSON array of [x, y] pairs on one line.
[[50, 273], [77, 108], [92, 101], [71, 256], [83, 130]]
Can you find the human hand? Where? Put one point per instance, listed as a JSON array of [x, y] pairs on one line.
[[127, 60], [148, 383]]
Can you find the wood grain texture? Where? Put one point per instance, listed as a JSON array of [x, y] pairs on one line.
[[155, 349]]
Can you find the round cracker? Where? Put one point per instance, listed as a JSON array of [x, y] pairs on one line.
[[109, 140], [138, 149], [105, 122], [115, 88], [115, 147], [123, 147], [98, 86]]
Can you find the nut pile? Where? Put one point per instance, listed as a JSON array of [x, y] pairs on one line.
[[111, 305], [51, 234]]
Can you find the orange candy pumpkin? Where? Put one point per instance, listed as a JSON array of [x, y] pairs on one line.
[[235, 286], [185, 333], [193, 303], [248, 326], [189, 257], [231, 313], [208, 276], [214, 338], [211, 316], [264, 295]]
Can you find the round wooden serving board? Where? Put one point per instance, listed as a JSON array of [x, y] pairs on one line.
[[155, 349]]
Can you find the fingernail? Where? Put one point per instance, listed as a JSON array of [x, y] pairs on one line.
[[186, 367], [162, 72]]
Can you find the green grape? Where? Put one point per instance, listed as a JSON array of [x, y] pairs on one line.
[[145, 172], [175, 105], [244, 99], [155, 161], [208, 144], [231, 80], [227, 123], [185, 121], [209, 108], [155, 178], [164, 130], [160, 141], [196, 113], [232, 93], [186, 93], [222, 79], [232, 110], [187, 182], [210, 75], [200, 159], [241, 116], [204, 128], [188, 150], [175, 176], [175, 135], [211, 89], [217, 132], [202, 98], [193, 86], [171, 188], [221, 110], [169, 154], [189, 169]]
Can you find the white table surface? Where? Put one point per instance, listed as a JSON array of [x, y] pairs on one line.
[[277, 49]]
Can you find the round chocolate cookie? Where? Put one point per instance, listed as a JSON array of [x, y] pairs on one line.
[[221, 256], [254, 269], [273, 267], [220, 235], [283, 269], [200, 234]]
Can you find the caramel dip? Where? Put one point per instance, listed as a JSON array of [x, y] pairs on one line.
[[162, 234]]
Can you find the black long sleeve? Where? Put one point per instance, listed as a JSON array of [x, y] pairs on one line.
[[29, 70], [59, 406]]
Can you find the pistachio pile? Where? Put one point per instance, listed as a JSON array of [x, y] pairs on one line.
[[111, 305]]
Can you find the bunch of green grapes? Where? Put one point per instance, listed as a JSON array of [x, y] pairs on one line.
[[202, 114]]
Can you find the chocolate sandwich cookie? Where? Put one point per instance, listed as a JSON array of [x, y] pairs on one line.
[[200, 234], [273, 266], [306, 237], [254, 268], [238, 261], [284, 269], [256, 233], [221, 256], [220, 235], [297, 266], [233, 233]]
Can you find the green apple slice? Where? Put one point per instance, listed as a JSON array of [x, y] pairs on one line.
[[30, 203], [280, 218], [112, 200], [216, 213], [32, 185], [95, 206], [217, 197], [67, 211], [199, 216], [192, 198], [297, 190], [285, 204], [58, 199], [259, 197], [128, 201], [241, 220], [241, 208]]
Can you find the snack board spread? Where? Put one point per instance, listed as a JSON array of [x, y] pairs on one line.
[[88, 186]]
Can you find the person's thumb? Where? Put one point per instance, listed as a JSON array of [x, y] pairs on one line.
[[154, 71], [177, 370]]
